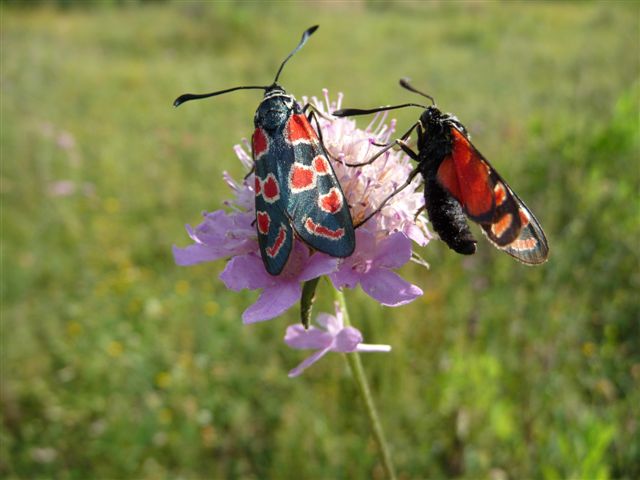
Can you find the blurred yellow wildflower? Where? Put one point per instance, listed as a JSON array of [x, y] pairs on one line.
[[163, 379], [115, 348]]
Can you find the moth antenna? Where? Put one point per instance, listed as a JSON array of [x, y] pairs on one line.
[[404, 83], [196, 96], [352, 112], [305, 36]]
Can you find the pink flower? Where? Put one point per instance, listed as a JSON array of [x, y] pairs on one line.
[[278, 293], [383, 242], [371, 264], [220, 235], [65, 188], [333, 337], [367, 186], [62, 188]]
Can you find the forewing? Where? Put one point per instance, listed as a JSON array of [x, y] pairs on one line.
[[467, 176], [275, 236], [488, 200], [316, 204]]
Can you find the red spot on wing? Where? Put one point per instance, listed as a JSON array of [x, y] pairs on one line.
[[260, 143], [270, 189], [299, 130], [301, 178], [257, 187], [321, 165], [263, 222], [500, 193], [322, 231], [274, 249], [501, 226], [331, 202], [523, 244], [524, 217], [472, 172]]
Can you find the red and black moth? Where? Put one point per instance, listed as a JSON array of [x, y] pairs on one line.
[[459, 182], [296, 189]]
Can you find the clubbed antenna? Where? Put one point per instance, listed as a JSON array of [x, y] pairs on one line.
[[305, 36], [352, 112], [404, 83], [196, 96]]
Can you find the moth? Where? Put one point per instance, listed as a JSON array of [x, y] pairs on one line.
[[296, 190], [461, 184]]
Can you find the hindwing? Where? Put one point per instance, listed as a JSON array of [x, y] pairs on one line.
[[275, 236]]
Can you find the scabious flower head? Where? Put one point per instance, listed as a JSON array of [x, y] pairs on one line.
[[383, 243], [332, 337], [367, 186]]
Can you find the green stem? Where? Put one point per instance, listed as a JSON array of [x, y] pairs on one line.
[[355, 364]]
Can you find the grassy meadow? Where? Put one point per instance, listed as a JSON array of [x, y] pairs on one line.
[[117, 364]]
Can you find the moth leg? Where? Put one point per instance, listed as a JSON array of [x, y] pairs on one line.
[[401, 141], [406, 149], [311, 116], [311, 109], [410, 178], [403, 138], [315, 109], [253, 169]]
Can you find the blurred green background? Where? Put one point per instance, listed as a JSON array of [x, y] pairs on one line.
[[118, 364]]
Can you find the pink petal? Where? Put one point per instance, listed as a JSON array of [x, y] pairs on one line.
[[246, 271], [394, 251], [220, 226], [192, 233], [388, 288], [194, 254], [273, 301], [365, 240], [210, 230], [319, 264], [297, 261], [332, 324], [314, 338], [415, 233], [351, 269], [220, 235], [345, 276], [306, 363], [347, 340]]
